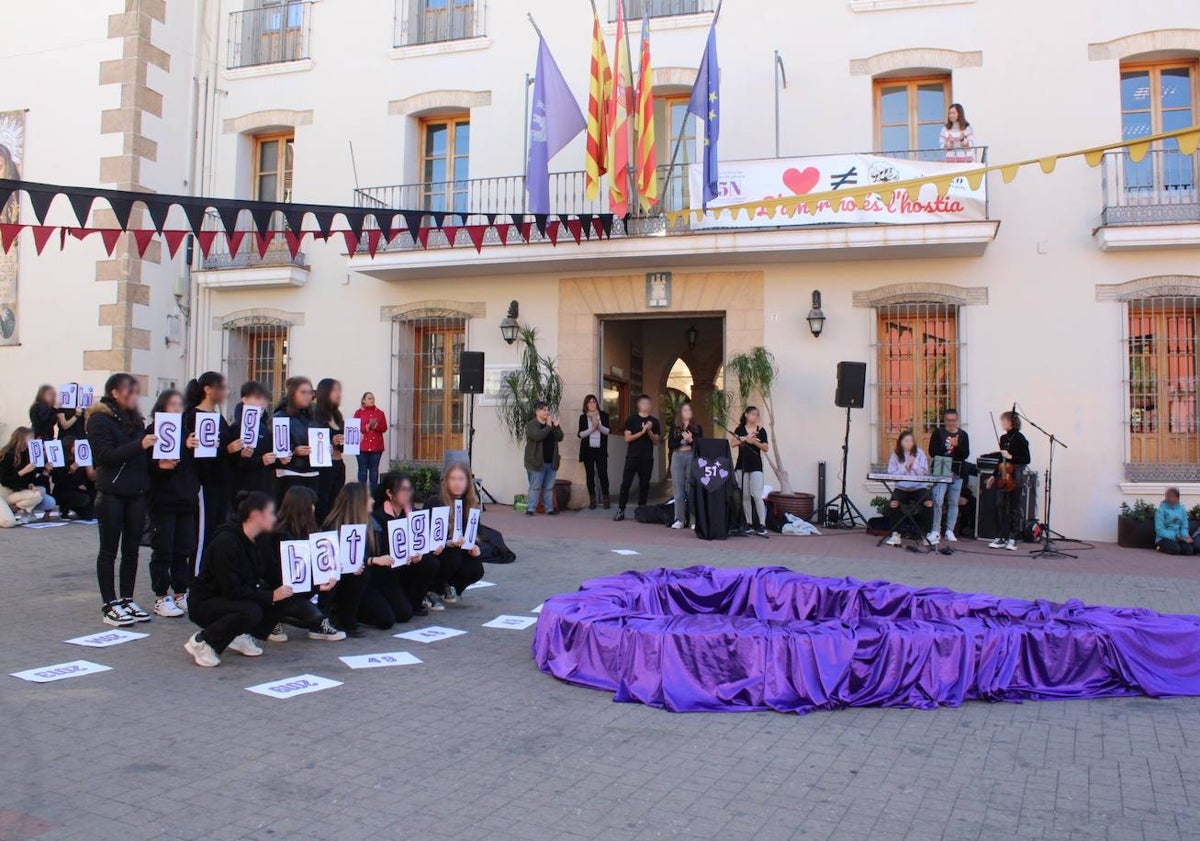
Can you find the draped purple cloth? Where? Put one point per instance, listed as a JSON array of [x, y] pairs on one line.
[[768, 638]]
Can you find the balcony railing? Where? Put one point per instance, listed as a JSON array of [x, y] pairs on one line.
[[634, 9], [1161, 188], [247, 256], [269, 35], [434, 21]]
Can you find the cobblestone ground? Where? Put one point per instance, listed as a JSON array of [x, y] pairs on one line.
[[475, 743]]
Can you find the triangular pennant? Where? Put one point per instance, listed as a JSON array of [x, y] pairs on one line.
[[518, 219], [121, 208], [355, 220], [8, 233], [262, 218], [525, 229], [324, 221], [413, 219], [1047, 163], [585, 223], [1092, 157], [80, 233], [41, 235], [575, 227], [606, 222], [5, 194], [234, 239], [1137, 152], [142, 239], [109, 236], [975, 179], [422, 236], [295, 219], [41, 201], [490, 217], [502, 232], [540, 219], [263, 241], [351, 242], [293, 242], [598, 226], [205, 240], [439, 218], [173, 239], [552, 232], [1188, 143], [229, 214], [385, 219], [195, 213], [1009, 172], [373, 237], [476, 234], [451, 232], [158, 210]]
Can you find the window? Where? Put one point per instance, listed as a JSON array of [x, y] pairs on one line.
[[918, 367], [257, 349], [432, 21], [427, 405], [273, 31], [273, 160], [671, 119], [1157, 98], [910, 114], [634, 9], [1162, 385], [445, 155]]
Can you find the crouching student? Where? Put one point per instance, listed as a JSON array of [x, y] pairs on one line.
[[458, 568], [74, 492], [396, 594], [351, 507]]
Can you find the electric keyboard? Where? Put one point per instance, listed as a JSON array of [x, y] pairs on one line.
[[908, 477]]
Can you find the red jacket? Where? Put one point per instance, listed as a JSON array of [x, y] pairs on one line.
[[372, 439]]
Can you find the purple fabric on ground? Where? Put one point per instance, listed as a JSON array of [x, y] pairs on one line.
[[768, 638]]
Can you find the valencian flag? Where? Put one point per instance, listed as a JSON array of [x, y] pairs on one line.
[[599, 94], [554, 120], [706, 104], [647, 163], [619, 107]]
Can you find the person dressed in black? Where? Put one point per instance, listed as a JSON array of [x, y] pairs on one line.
[[74, 490], [949, 441], [174, 503], [255, 472], [594, 430], [43, 417], [1014, 448], [458, 568], [750, 441], [120, 451], [297, 408], [396, 593], [342, 604], [207, 393], [327, 411], [642, 434]]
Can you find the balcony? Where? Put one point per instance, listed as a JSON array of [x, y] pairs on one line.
[[1153, 203], [273, 34], [437, 21], [901, 232], [246, 268], [634, 9]]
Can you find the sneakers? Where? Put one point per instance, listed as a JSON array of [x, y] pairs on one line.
[[678, 524], [528, 513], [277, 634], [998, 543], [167, 606], [450, 596], [894, 540], [433, 602], [115, 614], [551, 512], [201, 652], [933, 537], [181, 601], [762, 531], [353, 630], [619, 516], [131, 607], [327, 632], [950, 538], [1011, 545], [245, 645]]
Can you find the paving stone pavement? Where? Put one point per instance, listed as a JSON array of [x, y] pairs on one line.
[[475, 743]]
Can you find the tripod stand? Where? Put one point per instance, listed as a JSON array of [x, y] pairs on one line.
[[1048, 549], [848, 512], [483, 492]]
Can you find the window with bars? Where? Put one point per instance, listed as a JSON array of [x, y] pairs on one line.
[[917, 370], [1163, 346], [434, 21], [427, 405], [634, 9], [257, 349]]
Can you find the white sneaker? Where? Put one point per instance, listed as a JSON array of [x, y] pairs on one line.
[[166, 606], [1011, 545], [933, 537], [278, 634], [678, 524], [202, 652], [327, 632], [950, 538], [245, 645], [692, 527], [894, 540], [181, 601], [998, 543]]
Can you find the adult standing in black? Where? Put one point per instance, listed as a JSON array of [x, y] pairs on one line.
[[642, 434], [120, 451], [1014, 448], [174, 503], [594, 429]]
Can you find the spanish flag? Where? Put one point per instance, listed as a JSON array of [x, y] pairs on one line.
[[647, 159], [599, 95], [619, 107]]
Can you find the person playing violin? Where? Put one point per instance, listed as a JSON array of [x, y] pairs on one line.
[[1014, 450]]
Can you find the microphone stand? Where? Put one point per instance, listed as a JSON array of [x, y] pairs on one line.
[[1048, 549]]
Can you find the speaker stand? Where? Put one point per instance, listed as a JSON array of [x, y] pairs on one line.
[[480, 490], [848, 514]]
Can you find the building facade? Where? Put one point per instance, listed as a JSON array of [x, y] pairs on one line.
[[1075, 294]]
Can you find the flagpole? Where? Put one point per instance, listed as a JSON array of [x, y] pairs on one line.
[[528, 81], [630, 169], [535, 26], [679, 139]]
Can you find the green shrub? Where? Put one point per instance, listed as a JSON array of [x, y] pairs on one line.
[[880, 504], [1194, 512], [1140, 511], [426, 478]]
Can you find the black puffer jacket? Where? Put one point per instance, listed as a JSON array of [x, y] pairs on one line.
[[122, 464], [177, 488]]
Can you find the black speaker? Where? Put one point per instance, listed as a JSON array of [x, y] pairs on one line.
[[986, 525], [470, 372], [851, 385]]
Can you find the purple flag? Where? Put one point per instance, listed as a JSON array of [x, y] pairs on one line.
[[553, 121]]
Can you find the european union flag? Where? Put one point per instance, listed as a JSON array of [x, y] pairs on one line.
[[706, 104]]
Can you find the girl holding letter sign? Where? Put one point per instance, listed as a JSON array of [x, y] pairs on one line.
[[396, 592], [349, 519], [42, 417], [120, 450], [69, 414], [458, 566], [173, 504], [252, 423], [17, 476], [297, 411], [327, 415], [203, 398]]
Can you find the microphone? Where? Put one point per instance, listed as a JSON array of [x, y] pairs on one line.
[[1014, 409]]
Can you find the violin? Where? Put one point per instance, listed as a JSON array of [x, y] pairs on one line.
[[1005, 480]]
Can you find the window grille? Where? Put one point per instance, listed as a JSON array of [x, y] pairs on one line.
[[257, 349], [427, 408]]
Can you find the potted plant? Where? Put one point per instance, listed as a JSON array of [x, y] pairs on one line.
[[535, 379], [1135, 525], [755, 374], [1194, 518]]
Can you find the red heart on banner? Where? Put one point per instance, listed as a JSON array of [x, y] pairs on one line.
[[801, 181]]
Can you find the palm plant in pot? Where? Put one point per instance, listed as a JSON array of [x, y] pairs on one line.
[[536, 378], [754, 375]]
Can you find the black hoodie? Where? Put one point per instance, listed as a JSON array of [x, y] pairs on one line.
[[230, 569], [178, 488], [122, 464]]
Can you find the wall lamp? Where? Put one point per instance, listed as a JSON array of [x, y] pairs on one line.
[[509, 328], [816, 318]]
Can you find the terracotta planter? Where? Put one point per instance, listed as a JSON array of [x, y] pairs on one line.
[[562, 496], [797, 504], [1135, 534]]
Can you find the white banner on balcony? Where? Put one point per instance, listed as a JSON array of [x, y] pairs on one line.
[[746, 182]]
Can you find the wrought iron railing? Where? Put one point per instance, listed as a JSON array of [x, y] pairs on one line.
[[634, 9], [1162, 187], [247, 256], [269, 35], [434, 21]]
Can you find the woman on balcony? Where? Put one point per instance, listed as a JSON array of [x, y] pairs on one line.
[[958, 140]]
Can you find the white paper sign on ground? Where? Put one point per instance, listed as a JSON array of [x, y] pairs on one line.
[[352, 548], [47, 524], [84, 522], [61, 671], [106, 638], [281, 437], [208, 434], [379, 661], [480, 584], [323, 557], [37, 452], [83, 453], [87, 396], [352, 437], [418, 532], [513, 623], [68, 396], [289, 687], [431, 634], [398, 541], [625, 551], [55, 457], [320, 442], [538, 609], [251, 421], [168, 426], [471, 532], [439, 528], [294, 565]]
